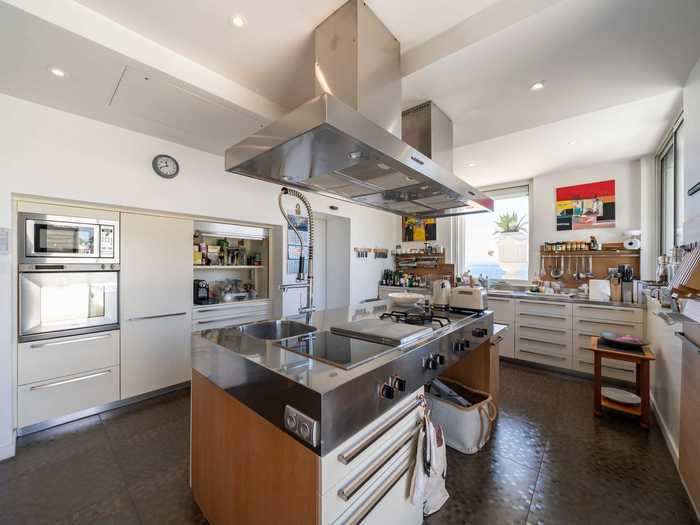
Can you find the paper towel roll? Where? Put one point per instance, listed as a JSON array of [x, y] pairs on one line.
[[632, 244]]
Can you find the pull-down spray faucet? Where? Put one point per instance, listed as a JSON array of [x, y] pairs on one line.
[[303, 281]]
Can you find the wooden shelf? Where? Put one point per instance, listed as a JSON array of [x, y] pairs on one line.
[[633, 410], [227, 267], [593, 253]]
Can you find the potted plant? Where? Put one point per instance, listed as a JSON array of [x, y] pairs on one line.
[[511, 242]]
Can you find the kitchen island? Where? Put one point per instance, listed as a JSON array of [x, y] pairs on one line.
[[280, 436]]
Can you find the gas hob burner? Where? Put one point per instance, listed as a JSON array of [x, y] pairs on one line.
[[417, 316]]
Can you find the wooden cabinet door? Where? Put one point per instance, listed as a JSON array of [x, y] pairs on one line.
[[156, 302]]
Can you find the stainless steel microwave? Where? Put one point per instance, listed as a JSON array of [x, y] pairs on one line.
[[52, 239]]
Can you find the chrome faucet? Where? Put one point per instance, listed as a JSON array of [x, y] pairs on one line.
[[304, 279]]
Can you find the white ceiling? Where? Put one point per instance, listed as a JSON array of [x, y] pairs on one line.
[[613, 69], [627, 131]]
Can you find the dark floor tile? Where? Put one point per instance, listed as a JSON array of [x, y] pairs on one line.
[[148, 454], [59, 489], [516, 439], [167, 498], [117, 510], [127, 421], [53, 446], [486, 488]]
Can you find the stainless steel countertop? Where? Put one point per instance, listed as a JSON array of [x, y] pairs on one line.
[[560, 299], [216, 353]]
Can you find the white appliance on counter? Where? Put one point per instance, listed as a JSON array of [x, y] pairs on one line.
[[468, 298], [441, 292]]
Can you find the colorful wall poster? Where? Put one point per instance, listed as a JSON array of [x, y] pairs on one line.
[[586, 206], [415, 229]]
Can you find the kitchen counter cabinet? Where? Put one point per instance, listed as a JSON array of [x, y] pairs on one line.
[[479, 370]]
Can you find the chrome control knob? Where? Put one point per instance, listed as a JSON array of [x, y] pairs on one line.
[[459, 346], [399, 383], [430, 363], [480, 332], [439, 358], [387, 391]]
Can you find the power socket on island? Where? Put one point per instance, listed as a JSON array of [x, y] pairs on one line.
[[301, 425]]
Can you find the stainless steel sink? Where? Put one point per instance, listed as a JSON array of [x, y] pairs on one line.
[[276, 330]]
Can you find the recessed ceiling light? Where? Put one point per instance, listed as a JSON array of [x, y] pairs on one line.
[[537, 86], [471, 164], [238, 21], [57, 72], [572, 142]]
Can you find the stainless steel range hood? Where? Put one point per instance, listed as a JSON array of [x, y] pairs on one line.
[[344, 142]]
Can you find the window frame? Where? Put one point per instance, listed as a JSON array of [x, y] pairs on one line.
[[668, 144]]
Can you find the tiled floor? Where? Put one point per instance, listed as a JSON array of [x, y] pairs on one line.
[[549, 461]]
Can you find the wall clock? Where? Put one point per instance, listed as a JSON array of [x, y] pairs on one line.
[[165, 166]]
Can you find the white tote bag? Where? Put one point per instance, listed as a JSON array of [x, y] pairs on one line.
[[430, 471]]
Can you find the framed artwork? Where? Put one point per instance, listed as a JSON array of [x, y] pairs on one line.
[[586, 206], [415, 229]]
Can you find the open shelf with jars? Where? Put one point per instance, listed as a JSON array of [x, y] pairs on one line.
[[230, 263]]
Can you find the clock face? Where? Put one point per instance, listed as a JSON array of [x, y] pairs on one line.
[[165, 166]]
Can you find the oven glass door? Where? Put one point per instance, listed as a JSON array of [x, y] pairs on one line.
[[66, 303], [62, 239]]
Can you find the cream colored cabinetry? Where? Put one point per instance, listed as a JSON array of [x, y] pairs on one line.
[[156, 302], [592, 320], [57, 377], [504, 313], [543, 332], [371, 461], [221, 315]]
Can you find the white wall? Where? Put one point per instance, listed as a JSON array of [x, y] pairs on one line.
[[543, 226], [47, 152], [691, 112]]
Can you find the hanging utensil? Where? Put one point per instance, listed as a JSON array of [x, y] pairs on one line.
[[556, 271], [590, 267], [543, 272]]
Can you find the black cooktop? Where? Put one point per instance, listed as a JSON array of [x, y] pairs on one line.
[[337, 350]]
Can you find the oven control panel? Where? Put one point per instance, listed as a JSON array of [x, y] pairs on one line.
[[106, 241]]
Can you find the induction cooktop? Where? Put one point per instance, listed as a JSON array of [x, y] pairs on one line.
[[337, 350]]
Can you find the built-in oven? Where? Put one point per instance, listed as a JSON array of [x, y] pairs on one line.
[[57, 301], [67, 240]]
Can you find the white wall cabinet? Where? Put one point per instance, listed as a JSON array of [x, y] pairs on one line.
[[156, 302]]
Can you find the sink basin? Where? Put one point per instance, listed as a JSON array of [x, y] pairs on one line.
[[275, 330]]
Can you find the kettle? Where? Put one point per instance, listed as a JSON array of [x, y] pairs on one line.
[[441, 292]]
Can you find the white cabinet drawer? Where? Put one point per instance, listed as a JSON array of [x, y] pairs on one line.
[[506, 342], [503, 309], [352, 456], [597, 326], [613, 369], [543, 307], [609, 313], [349, 495], [554, 335], [44, 400], [544, 352], [545, 320], [40, 360], [232, 319], [252, 308]]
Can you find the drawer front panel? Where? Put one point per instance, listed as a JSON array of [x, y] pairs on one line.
[[44, 400], [610, 369], [253, 309], [227, 320], [544, 352], [334, 469], [41, 360], [596, 326], [503, 309], [544, 307], [506, 346], [609, 313], [557, 322], [554, 335]]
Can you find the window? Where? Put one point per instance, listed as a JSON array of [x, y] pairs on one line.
[[496, 245], [671, 195]]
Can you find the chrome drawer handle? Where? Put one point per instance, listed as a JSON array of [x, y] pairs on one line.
[[351, 454], [491, 298], [629, 325], [349, 490], [539, 303], [66, 342], [161, 316], [539, 341], [541, 354], [544, 316], [357, 517], [608, 308], [220, 319], [66, 381], [687, 340], [543, 329]]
